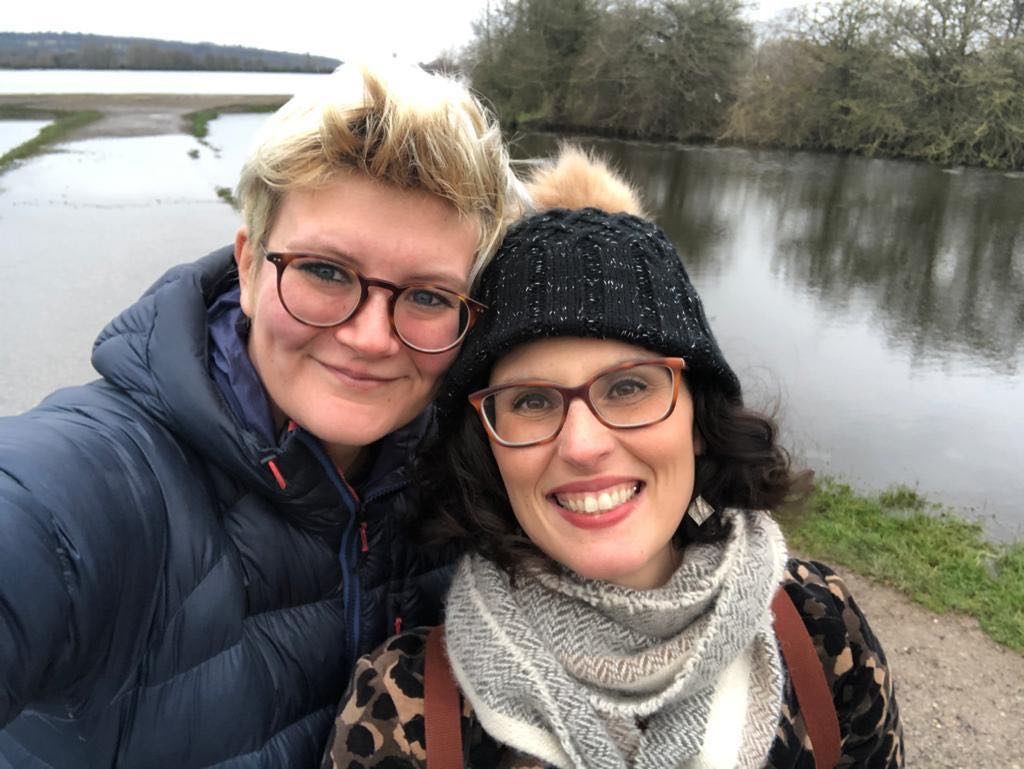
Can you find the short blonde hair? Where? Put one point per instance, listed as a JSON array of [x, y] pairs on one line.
[[394, 123]]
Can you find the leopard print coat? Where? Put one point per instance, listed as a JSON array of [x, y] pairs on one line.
[[380, 724]]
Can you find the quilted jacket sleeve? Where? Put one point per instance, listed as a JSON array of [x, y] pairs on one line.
[[34, 597], [68, 559], [855, 667]]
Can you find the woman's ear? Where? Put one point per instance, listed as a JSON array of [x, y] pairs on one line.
[[244, 260]]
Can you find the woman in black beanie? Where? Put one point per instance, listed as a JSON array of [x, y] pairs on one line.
[[615, 608]]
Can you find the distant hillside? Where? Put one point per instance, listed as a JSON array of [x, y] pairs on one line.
[[71, 50]]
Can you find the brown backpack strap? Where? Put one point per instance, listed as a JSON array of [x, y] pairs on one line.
[[808, 678], [442, 714]]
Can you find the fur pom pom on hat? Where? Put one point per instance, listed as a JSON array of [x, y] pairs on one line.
[[586, 273]]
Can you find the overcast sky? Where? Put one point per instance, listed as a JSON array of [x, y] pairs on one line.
[[413, 29]]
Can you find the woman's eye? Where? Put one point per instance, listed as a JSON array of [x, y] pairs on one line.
[[425, 297], [531, 402], [626, 388], [325, 271]]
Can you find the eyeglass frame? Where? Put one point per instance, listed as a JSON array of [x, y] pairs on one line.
[[281, 260], [582, 392]]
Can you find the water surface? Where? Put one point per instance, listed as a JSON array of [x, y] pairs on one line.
[[16, 132], [86, 230], [109, 81]]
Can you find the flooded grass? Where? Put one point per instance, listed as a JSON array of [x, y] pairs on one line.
[[64, 123], [922, 549]]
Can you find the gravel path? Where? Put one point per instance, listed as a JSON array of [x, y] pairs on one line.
[[961, 695]]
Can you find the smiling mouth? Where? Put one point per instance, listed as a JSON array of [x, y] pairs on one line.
[[601, 502], [357, 376]]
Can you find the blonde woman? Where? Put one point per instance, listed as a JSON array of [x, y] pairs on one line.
[[195, 548]]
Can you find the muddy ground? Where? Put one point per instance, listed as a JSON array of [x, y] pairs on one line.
[[961, 695]]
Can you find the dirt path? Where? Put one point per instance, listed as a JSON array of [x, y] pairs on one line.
[[961, 695]]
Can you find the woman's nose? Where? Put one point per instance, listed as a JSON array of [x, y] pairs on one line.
[[583, 440], [369, 330]]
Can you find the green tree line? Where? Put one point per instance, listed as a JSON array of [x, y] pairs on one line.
[[937, 80]]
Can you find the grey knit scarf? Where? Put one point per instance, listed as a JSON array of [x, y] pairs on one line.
[[581, 673]]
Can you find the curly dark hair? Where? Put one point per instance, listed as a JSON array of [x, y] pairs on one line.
[[741, 465]]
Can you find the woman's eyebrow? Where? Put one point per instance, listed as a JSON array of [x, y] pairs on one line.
[[539, 380], [451, 281]]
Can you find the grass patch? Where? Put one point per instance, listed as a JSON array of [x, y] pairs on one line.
[[939, 560], [198, 122], [64, 123]]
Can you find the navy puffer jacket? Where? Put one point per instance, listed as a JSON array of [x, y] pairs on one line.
[[175, 590]]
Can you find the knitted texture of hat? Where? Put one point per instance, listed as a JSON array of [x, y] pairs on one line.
[[585, 273]]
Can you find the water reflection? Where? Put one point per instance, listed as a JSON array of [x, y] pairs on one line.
[[940, 254]]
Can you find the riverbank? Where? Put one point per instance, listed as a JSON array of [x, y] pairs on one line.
[[960, 693], [921, 549]]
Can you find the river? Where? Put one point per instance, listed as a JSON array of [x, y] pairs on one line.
[[876, 306]]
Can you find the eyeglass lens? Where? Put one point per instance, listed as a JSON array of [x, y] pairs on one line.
[[322, 292], [633, 397]]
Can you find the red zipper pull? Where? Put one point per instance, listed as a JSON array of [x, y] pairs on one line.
[[365, 546], [398, 625], [281, 482]]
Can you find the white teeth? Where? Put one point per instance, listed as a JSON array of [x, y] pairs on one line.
[[600, 502]]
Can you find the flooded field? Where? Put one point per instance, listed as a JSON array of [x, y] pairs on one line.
[[86, 230]]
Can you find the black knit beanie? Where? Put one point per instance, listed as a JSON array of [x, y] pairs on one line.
[[585, 273]]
